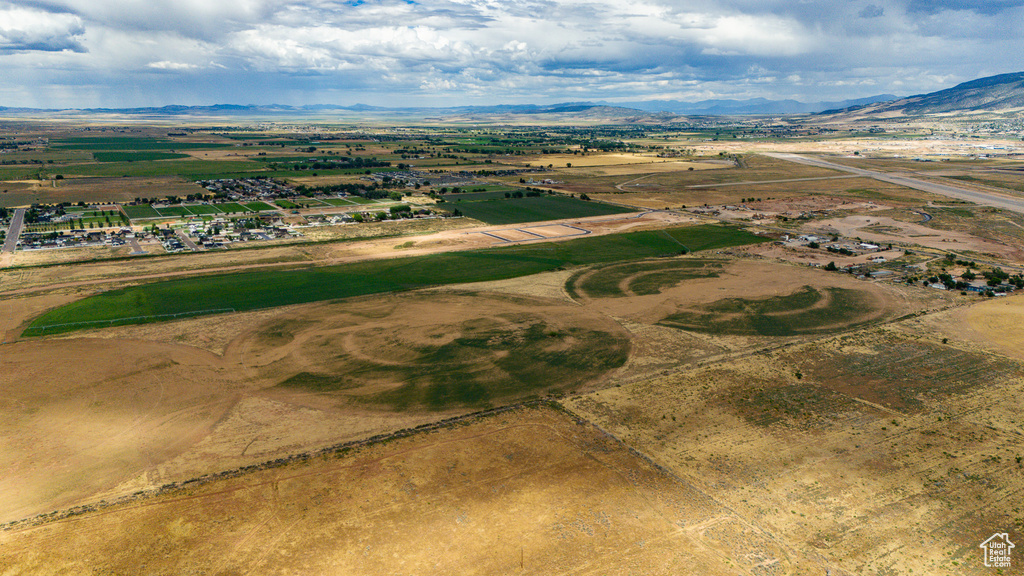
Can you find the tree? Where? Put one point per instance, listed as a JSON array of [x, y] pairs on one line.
[[831, 266]]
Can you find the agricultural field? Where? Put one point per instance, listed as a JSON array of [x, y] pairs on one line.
[[255, 290], [668, 376], [532, 209]]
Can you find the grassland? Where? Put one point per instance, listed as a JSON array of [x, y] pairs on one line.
[[807, 311], [254, 290], [638, 278]]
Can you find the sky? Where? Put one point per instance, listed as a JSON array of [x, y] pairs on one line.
[[136, 53]]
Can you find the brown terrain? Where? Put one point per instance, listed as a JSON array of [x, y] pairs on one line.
[[735, 411]]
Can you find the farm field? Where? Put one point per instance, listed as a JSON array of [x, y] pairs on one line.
[[254, 290], [534, 209]]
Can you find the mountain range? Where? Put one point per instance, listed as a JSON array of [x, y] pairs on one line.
[[1004, 92]]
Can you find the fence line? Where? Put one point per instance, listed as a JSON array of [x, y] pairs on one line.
[[193, 312]]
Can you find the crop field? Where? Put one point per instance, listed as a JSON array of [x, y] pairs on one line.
[[233, 208], [127, 143], [136, 156], [174, 211], [257, 206], [254, 290], [339, 201], [189, 168], [360, 200], [534, 209], [139, 211], [476, 196]]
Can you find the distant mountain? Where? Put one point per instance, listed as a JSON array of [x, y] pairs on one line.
[[755, 106], [565, 111], [1001, 93]]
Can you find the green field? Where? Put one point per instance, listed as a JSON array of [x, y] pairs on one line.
[[339, 202], [264, 289], [233, 208], [534, 209], [174, 211], [191, 168], [806, 311], [476, 196], [259, 206], [201, 209], [114, 143], [140, 211], [135, 156], [286, 204], [361, 200]]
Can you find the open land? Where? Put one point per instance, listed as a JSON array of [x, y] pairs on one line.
[[434, 353]]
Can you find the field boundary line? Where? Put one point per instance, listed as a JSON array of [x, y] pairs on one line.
[[176, 314]]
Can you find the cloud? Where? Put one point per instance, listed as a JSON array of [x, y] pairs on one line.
[[24, 29], [515, 50], [872, 11]]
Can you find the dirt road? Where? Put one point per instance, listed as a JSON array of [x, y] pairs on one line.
[[985, 198]]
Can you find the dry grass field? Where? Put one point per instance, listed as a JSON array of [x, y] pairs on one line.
[[524, 492]]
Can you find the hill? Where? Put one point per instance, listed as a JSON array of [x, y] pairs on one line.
[[1001, 93]]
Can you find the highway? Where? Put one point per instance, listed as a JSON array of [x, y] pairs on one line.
[[1005, 202], [14, 231]]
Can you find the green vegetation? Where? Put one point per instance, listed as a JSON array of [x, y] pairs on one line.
[[535, 209], [807, 311], [268, 288], [286, 204], [490, 359], [259, 206], [641, 278], [136, 156], [138, 211], [174, 211], [201, 209], [339, 202], [128, 143], [233, 208]]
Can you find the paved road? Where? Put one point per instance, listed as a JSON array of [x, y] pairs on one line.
[[748, 183], [14, 231], [187, 241], [136, 249], [1006, 202]]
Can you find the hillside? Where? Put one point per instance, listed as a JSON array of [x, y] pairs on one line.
[[1001, 93]]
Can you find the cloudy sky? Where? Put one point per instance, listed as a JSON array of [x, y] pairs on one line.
[[125, 53]]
